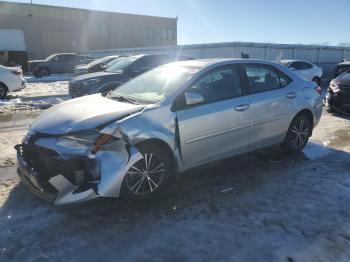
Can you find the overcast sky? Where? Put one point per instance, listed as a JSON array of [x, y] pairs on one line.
[[208, 21]]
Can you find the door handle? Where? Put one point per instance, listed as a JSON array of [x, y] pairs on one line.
[[242, 108], [291, 95]]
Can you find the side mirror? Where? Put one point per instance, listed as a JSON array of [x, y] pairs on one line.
[[193, 98]]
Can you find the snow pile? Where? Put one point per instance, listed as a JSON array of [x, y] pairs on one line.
[[21, 104], [44, 89], [48, 79]]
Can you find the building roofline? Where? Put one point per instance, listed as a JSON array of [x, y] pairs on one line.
[[86, 10], [222, 44]]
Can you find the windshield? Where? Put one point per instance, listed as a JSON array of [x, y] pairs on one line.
[[155, 85], [50, 57], [122, 63], [103, 60]]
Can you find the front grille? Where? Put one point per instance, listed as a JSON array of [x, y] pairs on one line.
[[47, 163]]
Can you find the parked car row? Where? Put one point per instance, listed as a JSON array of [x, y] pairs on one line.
[[57, 64], [119, 71], [132, 141]]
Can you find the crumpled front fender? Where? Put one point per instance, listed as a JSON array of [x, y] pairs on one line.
[[114, 166]]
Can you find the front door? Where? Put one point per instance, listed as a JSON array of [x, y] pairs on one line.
[[219, 125]]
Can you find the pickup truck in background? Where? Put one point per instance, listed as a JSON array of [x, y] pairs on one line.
[[63, 63]]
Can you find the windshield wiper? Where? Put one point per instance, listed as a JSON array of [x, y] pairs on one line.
[[124, 99]]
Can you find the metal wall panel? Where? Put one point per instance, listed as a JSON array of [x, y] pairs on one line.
[[325, 56]]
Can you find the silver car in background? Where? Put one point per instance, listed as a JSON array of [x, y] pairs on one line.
[[134, 141]]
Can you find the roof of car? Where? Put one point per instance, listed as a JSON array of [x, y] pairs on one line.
[[292, 60], [208, 62], [66, 54]]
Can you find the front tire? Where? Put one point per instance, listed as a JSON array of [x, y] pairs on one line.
[[147, 176], [298, 134], [3, 91]]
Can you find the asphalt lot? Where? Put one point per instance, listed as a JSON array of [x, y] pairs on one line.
[[263, 206]]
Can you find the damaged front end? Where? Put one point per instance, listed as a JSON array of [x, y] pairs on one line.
[[337, 97], [70, 169]]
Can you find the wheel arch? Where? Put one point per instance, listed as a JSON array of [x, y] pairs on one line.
[[3, 84], [165, 146], [308, 113]]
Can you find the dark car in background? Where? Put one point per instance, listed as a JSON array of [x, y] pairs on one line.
[[97, 65], [338, 95], [340, 68], [122, 70], [57, 64]]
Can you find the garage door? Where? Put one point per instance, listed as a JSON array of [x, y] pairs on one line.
[[12, 40]]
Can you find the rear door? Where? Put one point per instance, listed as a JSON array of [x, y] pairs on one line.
[[69, 63], [272, 102], [218, 126]]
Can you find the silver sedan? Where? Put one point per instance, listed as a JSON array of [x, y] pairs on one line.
[[133, 141]]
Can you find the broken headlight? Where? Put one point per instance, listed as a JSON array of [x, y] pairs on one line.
[[85, 137], [90, 138], [334, 87]]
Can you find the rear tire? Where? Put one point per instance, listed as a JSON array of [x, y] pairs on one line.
[[147, 176], [298, 134], [3, 91], [44, 72]]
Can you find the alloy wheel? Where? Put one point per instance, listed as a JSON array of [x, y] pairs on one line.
[[300, 134], [145, 176]]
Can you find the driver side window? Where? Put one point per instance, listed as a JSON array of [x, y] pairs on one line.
[[219, 84], [55, 59]]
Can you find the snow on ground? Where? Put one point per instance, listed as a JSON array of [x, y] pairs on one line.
[[263, 206], [40, 93], [7, 142], [48, 79]]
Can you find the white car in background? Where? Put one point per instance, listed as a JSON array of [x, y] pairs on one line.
[[305, 69], [11, 79]]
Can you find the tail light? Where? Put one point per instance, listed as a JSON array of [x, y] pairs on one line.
[[17, 72], [318, 89]]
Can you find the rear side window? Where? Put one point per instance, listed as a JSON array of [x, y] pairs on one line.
[[264, 78], [305, 66], [295, 65], [69, 58]]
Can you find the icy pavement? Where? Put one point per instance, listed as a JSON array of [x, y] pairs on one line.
[[264, 206]]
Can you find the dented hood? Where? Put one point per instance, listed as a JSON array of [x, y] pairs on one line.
[[82, 113]]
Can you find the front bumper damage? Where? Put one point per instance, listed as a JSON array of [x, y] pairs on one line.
[[64, 173], [337, 100]]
